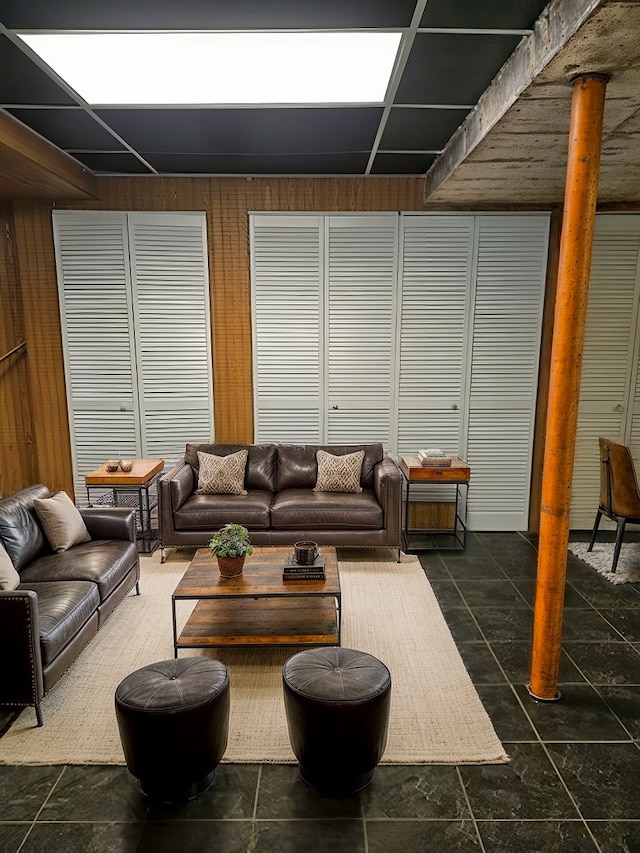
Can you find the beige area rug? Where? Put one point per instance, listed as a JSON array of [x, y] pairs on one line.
[[601, 559], [389, 610]]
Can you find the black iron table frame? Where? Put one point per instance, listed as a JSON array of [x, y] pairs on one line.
[[136, 496], [459, 529]]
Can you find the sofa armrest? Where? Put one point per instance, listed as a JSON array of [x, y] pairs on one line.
[[387, 484], [22, 681], [174, 488], [110, 522]]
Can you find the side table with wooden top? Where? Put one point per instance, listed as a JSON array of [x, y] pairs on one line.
[[130, 489], [457, 474]]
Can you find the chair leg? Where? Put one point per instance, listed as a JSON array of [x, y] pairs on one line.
[[619, 534], [596, 524]]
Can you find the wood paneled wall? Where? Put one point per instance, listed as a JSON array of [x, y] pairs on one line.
[[227, 202], [17, 456]]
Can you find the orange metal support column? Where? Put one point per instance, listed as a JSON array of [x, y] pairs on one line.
[[583, 166]]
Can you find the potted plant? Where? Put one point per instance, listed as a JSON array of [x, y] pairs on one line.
[[230, 545]]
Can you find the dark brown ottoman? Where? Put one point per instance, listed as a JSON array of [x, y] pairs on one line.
[[173, 718], [337, 706]]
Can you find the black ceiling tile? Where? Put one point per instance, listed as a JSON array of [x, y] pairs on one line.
[[483, 14], [452, 68], [246, 131], [420, 129], [205, 14], [23, 82], [68, 128], [107, 161], [232, 164], [402, 164]]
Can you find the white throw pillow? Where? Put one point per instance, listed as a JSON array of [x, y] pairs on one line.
[[339, 473], [62, 523], [9, 578], [222, 475]]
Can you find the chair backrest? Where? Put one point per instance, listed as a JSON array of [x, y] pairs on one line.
[[618, 482]]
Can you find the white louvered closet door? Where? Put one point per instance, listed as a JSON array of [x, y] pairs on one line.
[[135, 350], [171, 309], [506, 328], [437, 272], [96, 313], [286, 275], [610, 390], [360, 333]]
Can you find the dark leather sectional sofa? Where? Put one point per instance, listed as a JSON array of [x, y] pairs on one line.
[[281, 506], [62, 598]]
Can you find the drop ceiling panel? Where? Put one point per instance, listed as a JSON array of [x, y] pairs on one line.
[[246, 131], [453, 68], [422, 128], [273, 164], [205, 14], [69, 128], [488, 14]]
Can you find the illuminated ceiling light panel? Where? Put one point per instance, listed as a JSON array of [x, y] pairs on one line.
[[221, 68]]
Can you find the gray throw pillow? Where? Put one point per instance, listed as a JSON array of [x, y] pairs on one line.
[[62, 523], [9, 578]]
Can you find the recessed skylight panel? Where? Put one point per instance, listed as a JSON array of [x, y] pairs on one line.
[[221, 68]]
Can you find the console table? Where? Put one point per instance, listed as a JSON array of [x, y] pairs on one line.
[[130, 489], [458, 475]]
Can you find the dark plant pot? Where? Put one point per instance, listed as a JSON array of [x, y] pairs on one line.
[[231, 567]]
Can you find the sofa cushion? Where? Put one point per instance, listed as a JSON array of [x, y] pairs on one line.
[[339, 473], [105, 562], [260, 473], [20, 529], [63, 608], [9, 578], [298, 469], [211, 512], [62, 522], [304, 509], [221, 475]]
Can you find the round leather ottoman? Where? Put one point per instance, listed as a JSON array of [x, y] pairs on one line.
[[337, 706], [173, 718]]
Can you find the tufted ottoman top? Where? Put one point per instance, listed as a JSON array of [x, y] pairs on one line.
[[335, 674], [171, 685]]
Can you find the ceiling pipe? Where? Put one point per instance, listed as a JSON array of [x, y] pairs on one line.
[[574, 266]]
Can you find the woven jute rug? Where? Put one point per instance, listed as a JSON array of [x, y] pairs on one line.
[[601, 559], [389, 610]]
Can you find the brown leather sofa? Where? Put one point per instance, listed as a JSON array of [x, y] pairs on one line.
[[62, 598], [280, 506]]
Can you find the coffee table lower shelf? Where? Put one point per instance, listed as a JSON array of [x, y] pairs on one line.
[[298, 621]]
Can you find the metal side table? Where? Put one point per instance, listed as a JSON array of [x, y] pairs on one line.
[[133, 489]]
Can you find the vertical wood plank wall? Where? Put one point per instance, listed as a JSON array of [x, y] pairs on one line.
[[227, 202], [17, 456]]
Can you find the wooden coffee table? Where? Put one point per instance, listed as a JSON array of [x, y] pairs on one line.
[[258, 608]]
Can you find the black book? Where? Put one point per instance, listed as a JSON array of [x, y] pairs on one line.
[[303, 576]]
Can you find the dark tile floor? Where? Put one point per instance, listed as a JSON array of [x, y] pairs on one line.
[[572, 784]]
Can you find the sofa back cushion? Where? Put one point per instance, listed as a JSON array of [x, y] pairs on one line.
[[298, 467], [20, 530], [260, 472]]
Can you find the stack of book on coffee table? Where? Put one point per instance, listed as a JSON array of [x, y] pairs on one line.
[[298, 572]]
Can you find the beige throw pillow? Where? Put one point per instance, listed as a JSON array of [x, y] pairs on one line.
[[9, 578], [62, 523], [339, 473], [222, 475]]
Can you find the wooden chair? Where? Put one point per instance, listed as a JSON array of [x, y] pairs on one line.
[[619, 493]]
